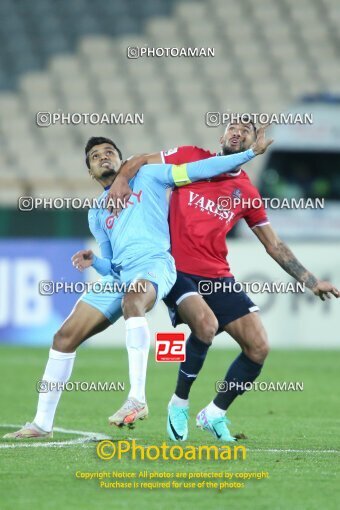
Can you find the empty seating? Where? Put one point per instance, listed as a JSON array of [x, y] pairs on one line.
[[266, 55]]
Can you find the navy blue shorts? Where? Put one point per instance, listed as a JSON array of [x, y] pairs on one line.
[[226, 299]]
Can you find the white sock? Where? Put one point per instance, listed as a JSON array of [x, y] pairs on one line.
[[58, 369], [138, 345], [179, 402], [214, 411]]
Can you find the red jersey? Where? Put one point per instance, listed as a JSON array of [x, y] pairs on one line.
[[198, 228]]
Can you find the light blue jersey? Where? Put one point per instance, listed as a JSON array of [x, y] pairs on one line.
[[136, 244], [141, 230]]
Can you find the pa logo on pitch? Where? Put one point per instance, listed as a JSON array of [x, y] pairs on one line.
[[170, 347]]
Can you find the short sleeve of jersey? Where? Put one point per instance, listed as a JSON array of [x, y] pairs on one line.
[[96, 230], [184, 154], [256, 215]]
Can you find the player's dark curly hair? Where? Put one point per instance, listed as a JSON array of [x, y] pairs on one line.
[[98, 140], [249, 121]]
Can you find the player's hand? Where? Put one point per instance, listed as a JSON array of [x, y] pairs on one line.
[[325, 289], [261, 144], [82, 259], [119, 194]]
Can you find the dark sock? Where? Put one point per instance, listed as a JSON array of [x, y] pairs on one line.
[[242, 370], [196, 351]]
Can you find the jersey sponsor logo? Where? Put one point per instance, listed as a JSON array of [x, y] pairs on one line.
[[209, 206], [110, 221], [132, 201], [237, 193], [170, 347], [171, 151]]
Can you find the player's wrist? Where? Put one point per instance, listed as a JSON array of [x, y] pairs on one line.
[[311, 282], [253, 148], [122, 177]]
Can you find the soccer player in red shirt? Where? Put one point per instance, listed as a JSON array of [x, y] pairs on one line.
[[198, 232]]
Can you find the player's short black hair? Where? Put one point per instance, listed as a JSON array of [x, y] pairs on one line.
[[250, 121], [98, 140]]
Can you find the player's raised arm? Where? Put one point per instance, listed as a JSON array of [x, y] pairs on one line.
[[284, 256], [180, 175], [204, 169]]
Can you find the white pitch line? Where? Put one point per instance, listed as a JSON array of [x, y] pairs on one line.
[[277, 450], [59, 429], [87, 437], [92, 435], [51, 444], [95, 436]]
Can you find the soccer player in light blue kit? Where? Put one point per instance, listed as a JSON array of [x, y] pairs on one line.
[[135, 248], [136, 245]]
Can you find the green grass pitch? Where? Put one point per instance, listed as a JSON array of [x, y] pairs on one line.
[[275, 423]]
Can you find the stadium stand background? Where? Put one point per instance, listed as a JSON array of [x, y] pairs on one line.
[[70, 56]]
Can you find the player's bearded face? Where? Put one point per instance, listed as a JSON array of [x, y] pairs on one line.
[[104, 161], [237, 138]]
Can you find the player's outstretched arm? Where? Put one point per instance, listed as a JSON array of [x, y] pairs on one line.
[[284, 256], [180, 175], [206, 168], [211, 167], [120, 190]]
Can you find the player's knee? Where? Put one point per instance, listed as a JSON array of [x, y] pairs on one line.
[[63, 342], [262, 352], [205, 327], [132, 306], [259, 350]]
